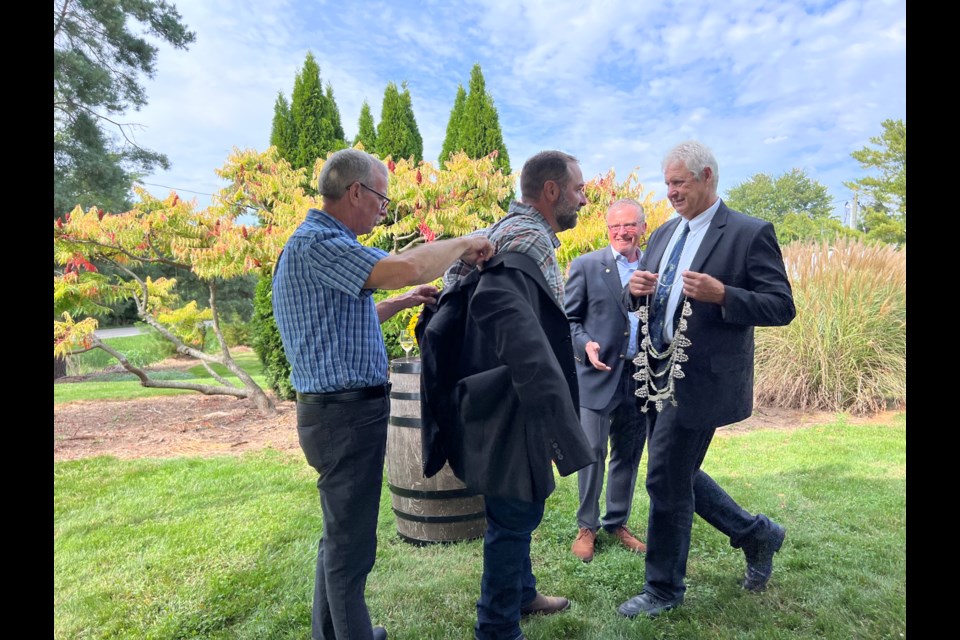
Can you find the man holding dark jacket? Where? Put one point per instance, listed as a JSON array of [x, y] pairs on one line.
[[500, 388]]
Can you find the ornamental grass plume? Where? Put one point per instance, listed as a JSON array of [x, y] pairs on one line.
[[846, 348]]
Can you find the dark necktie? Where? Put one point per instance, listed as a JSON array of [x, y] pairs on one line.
[[658, 308]]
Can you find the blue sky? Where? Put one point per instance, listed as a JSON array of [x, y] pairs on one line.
[[768, 85]]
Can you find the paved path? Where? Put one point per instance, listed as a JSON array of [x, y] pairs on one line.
[[118, 332]]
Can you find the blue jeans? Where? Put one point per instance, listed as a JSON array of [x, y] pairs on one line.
[[346, 444], [507, 582]]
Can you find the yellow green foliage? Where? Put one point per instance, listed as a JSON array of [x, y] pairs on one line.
[[186, 322], [264, 185], [431, 203], [69, 335]]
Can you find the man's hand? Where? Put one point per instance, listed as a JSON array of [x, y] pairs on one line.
[[642, 283], [703, 287], [478, 250], [422, 294], [593, 354]]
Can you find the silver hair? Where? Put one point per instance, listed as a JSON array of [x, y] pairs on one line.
[[343, 168], [631, 202], [695, 156]]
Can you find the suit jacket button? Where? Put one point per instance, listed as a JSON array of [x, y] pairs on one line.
[[559, 456], [621, 356]]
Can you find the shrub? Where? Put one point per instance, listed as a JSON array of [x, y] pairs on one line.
[[846, 349], [266, 341], [236, 331]]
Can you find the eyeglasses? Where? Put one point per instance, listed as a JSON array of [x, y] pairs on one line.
[[629, 226], [384, 200]]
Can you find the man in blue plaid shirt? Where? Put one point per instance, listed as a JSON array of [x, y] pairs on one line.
[[330, 327]]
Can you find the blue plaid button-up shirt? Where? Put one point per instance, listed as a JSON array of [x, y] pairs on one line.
[[328, 322]]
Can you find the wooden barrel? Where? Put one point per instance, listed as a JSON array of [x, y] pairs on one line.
[[437, 509]]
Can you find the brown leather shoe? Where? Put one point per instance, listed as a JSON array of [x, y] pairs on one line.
[[544, 605], [629, 540], [583, 545]]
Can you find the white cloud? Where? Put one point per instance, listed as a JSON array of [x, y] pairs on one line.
[[768, 84]]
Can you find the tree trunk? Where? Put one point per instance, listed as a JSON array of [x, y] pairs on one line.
[[59, 367]]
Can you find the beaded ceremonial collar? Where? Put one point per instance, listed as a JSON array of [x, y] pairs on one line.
[[652, 385]]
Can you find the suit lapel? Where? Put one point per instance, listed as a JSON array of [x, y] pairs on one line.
[[710, 239]]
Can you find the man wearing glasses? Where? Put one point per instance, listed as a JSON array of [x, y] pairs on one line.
[[330, 327], [604, 344]]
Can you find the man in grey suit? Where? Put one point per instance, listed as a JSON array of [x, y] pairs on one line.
[[706, 280], [604, 343]]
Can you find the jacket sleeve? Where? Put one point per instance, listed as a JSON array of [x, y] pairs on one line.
[[575, 305], [767, 299]]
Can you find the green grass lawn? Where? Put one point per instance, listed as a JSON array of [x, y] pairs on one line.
[[125, 386], [225, 547]]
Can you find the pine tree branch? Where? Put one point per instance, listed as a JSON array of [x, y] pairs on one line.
[[61, 19]]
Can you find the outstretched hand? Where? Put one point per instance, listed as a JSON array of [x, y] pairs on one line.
[[593, 354]]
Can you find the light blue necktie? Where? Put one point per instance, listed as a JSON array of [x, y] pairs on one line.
[[658, 310]]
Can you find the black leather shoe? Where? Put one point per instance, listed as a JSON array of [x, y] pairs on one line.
[[379, 633], [760, 559], [647, 604]]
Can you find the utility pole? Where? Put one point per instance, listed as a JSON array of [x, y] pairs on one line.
[[854, 210]]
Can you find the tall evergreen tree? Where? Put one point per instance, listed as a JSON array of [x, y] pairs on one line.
[[367, 133], [451, 142], [307, 109], [100, 53], [397, 133], [480, 125], [315, 116], [332, 113], [283, 134], [416, 140]]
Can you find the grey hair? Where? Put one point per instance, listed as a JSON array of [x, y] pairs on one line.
[[342, 169], [632, 203], [546, 165], [695, 156]]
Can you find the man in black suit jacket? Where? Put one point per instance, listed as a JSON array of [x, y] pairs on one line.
[[728, 279], [604, 343]]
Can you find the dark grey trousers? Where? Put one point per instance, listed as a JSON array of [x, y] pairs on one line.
[[346, 444], [622, 425]]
